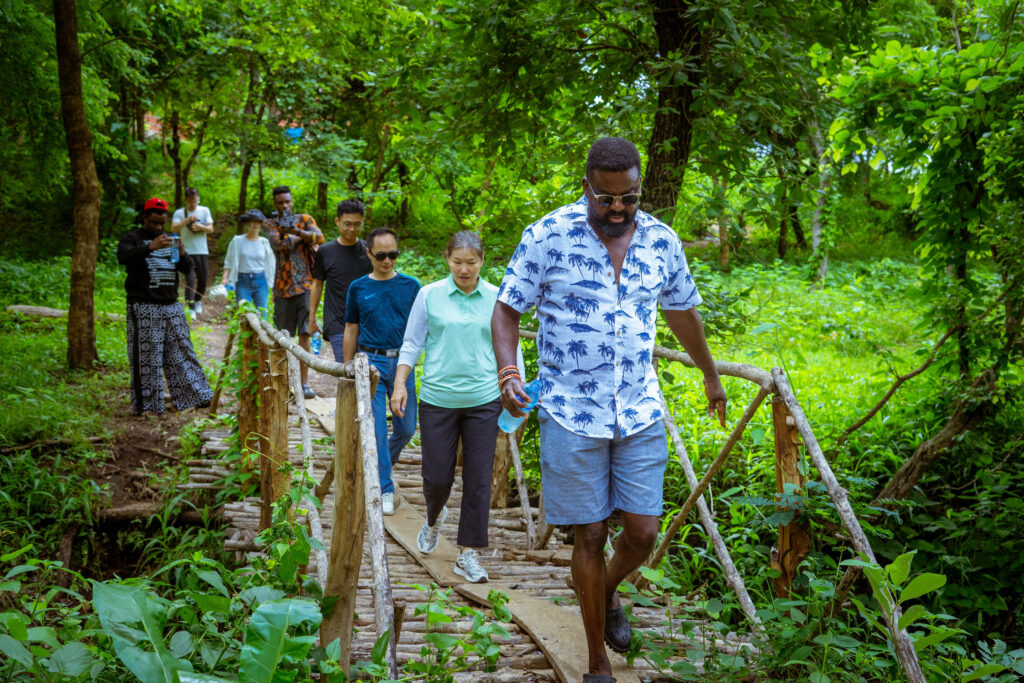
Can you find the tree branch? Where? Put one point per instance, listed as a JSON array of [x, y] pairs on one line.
[[901, 379]]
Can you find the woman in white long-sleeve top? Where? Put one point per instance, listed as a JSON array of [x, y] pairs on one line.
[[458, 397]]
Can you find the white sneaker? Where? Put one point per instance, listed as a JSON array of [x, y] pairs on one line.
[[191, 314], [198, 308], [387, 503], [426, 540], [468, 565]]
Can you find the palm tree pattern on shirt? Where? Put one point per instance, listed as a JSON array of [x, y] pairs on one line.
[[597, 335]]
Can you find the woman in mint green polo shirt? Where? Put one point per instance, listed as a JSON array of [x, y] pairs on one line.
[[451, 321]]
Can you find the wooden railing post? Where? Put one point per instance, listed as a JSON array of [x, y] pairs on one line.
[[383, 607], [273, 428], [893, 613], [794, 543], [248, 393], [349, 525], [524, 497]]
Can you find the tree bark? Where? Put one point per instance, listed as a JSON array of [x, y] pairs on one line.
[[87, 191], [669, 146]]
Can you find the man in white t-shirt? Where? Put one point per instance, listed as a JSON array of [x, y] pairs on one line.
[[193, 223]]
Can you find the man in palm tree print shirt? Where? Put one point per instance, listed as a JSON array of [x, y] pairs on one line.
[[597, 270]]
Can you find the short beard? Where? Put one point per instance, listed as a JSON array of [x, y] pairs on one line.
[[607, 228]]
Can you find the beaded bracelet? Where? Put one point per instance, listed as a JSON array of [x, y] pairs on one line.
[[501, 382]]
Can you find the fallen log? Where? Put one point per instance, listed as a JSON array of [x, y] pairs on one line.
[[47, 312], [145, 510]]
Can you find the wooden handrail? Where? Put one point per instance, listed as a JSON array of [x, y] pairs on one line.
[[273, 337]]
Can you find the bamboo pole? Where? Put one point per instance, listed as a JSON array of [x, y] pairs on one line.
[[903, 645], [524, 498], [702, 485], [349, 522], [383, 607], [215, 401], [732, 575], [274, 428], [794, 543], [316, 528]]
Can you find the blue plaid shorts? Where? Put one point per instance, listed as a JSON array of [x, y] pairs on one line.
[[585, 479]]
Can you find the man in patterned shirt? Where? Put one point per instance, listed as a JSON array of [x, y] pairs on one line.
[[294, 239], [597, 270]]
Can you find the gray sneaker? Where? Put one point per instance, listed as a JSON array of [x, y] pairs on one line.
[[426, 540], [468, 565]]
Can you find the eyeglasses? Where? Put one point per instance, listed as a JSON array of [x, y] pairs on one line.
[[609, 199], [381, 255]]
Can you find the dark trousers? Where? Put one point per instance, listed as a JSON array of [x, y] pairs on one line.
[[440, 429], [195, 281]]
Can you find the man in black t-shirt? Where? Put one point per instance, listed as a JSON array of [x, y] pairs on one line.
[[337, 264]]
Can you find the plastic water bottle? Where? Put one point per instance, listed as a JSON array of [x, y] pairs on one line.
[[174, 248], [506, 422], [316, 342]]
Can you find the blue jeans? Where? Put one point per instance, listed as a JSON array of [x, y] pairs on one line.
[[337, 342], [252, 287], [402, 428]]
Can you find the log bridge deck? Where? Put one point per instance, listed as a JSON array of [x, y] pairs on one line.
[[546, 639]]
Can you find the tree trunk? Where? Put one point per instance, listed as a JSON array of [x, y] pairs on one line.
[[175, 152], [669, 146], [798, 228], [140, 127], [87, 191], [403, 183], [321, 202], [200, 133], [783, 224], [243, 187]]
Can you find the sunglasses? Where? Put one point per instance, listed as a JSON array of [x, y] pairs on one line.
[[381, 255], [609, 199]]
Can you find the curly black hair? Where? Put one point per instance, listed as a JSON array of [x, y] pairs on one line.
[[612, 154]]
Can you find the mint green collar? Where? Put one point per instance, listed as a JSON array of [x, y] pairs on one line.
[[454, 288]]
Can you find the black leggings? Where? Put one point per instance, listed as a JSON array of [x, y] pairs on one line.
[[440, 429]]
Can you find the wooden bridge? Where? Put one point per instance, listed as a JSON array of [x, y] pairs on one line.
[[375, 574]]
